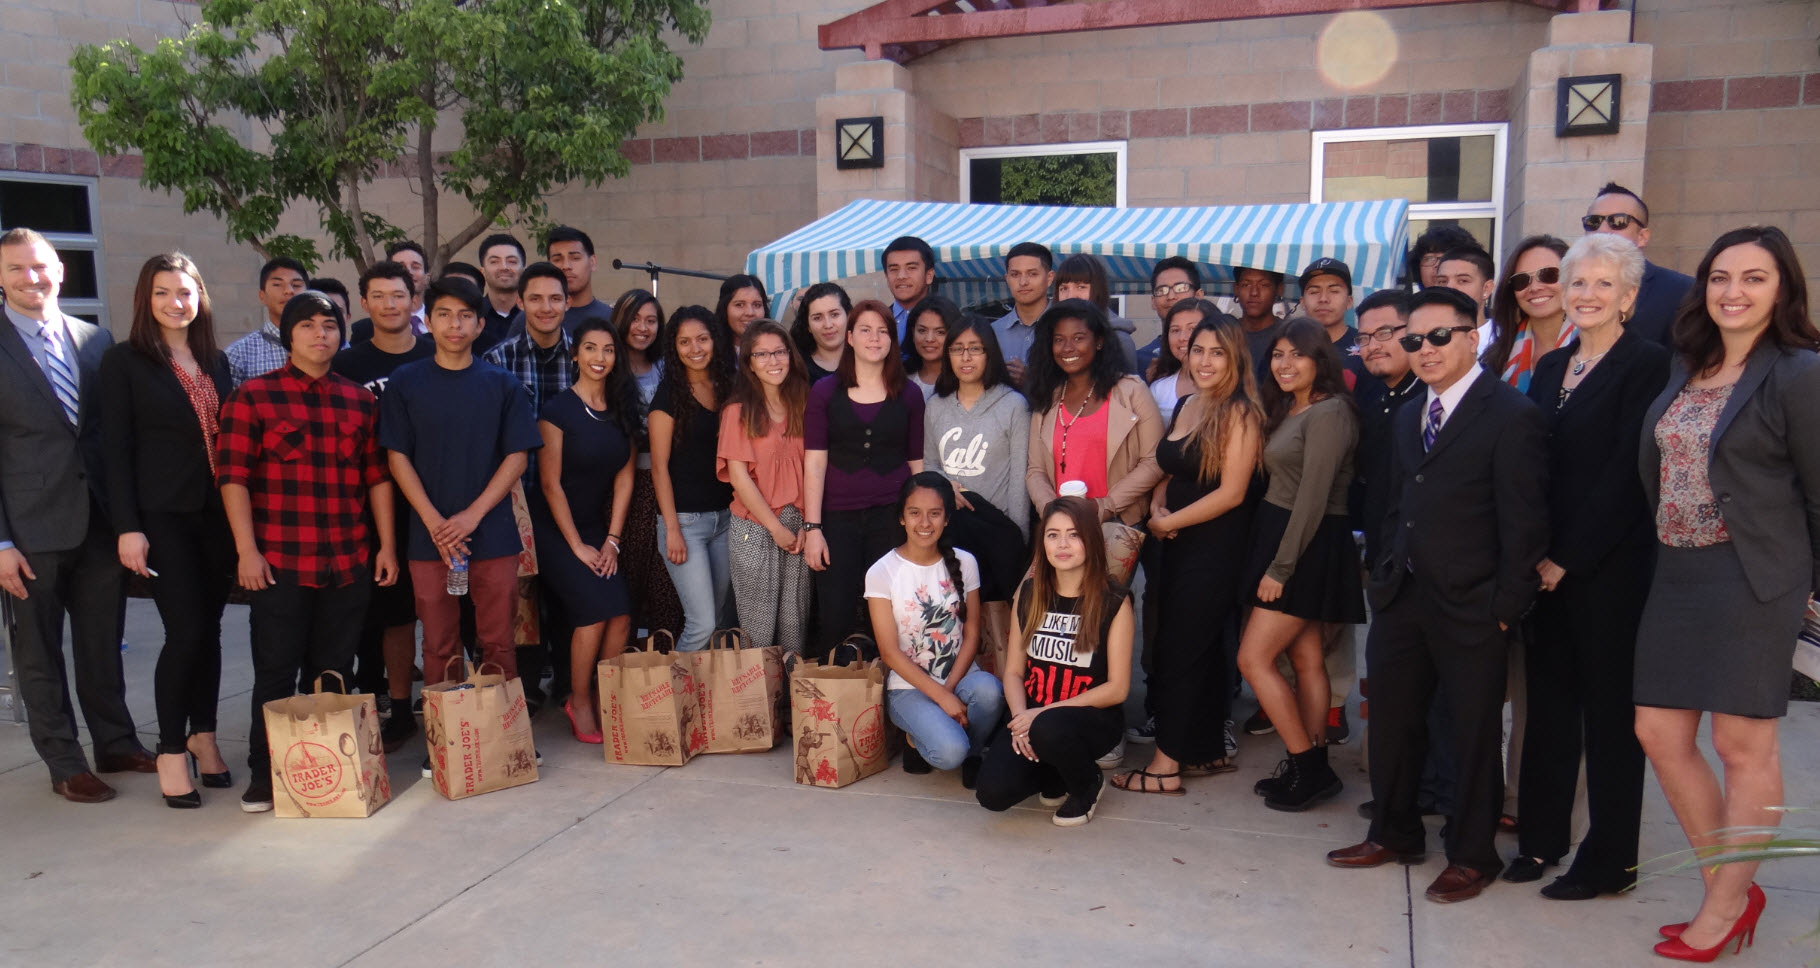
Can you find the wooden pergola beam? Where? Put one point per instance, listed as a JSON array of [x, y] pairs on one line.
[[893, 26]]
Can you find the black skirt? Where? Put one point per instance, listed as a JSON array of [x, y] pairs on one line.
[[1327, 584]]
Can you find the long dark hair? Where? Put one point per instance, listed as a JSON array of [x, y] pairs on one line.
[[676, 376], [1232, 399], [1097, 592], [1308, 338], [1167, 363], [147, 336], [944, 490], [799, 328], [941, 306], [621, 395], [730, 288], [1506, 315], [749, 392], [1043, 379], [1696, 336], [995, 373], [625, 309], [847, 376]]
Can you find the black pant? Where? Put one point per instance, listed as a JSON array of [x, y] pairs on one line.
[[300, 633], [193, 554], [1581, 651], [1413, 650], [86, 583], [1067, 741], [855, 540]]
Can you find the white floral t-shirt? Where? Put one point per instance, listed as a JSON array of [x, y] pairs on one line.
[[927, 606]]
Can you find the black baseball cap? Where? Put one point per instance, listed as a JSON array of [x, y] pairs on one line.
[[1327, 267]]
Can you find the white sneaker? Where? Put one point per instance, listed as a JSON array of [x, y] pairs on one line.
[[1113, 759]]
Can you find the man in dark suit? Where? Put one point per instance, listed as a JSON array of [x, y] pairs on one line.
[[1620, 211], [1466, 526], [57, 549]]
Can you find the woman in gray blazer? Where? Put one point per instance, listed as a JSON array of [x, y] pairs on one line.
[[1730, 459]]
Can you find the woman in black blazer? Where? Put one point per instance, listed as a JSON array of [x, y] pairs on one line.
[[1582, 634], [160, 398], [1730, 460]]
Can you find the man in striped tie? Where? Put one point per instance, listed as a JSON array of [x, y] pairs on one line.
[[1466, 525], [57, 550]]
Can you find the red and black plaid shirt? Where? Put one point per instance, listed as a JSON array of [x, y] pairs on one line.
[[307, 451]]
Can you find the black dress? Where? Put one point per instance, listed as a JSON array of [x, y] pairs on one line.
[[593, 451], [1203, 571]]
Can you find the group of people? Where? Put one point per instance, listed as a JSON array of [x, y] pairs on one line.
[[1583, 484]]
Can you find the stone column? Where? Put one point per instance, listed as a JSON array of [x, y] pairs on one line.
[[920, 142], [1550, 180]]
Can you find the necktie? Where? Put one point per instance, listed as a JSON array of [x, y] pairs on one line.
[[58, 368], [1432, 428]]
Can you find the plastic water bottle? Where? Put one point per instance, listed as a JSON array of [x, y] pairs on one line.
[[458, 574]]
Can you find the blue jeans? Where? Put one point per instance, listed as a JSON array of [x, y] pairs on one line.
[[935, 734], [702, 583]]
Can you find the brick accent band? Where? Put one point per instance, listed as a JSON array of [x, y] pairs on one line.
[[1737, 93]]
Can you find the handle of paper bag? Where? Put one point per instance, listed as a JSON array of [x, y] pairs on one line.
[[338, 678], [650, 643], [850, 642], [481, 670], [734, 638], [446, 677]]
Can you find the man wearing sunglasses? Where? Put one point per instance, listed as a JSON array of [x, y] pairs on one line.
[[1620, 211], [1466, 526]]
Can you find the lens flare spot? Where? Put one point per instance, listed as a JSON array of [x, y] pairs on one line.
[[1356, 50]]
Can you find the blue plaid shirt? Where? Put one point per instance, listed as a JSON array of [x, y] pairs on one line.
[[544, 373], [256, 354]]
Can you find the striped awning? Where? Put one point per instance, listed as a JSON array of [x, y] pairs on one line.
[[970, 242]]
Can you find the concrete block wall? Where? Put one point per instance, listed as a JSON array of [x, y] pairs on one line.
[[1734, 128]]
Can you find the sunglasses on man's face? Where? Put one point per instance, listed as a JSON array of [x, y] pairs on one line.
[[1438, 337], [1549, 275], [1617, 220]]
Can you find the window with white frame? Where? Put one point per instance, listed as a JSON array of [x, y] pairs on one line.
[[64, 210], [1090, 173], [1452, 174]]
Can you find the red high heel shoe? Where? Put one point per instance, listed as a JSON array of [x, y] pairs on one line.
[[1744, 931], [569, 711], [1754, 898]]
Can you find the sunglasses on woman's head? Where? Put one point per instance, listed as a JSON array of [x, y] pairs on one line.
[[1439, 337], [1618, 221], [1548, 274]]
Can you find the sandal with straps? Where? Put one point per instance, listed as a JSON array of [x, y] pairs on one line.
[[1224, 764], [1123, 781]]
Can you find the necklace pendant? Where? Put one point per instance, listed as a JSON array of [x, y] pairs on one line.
[[1579, 368]]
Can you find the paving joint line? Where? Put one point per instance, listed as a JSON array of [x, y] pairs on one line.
[[496, 871], [1409, 914]]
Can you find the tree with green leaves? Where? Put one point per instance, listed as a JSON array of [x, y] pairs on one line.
[[263, 105]]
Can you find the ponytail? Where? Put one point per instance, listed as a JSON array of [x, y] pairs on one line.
[[956, 577]]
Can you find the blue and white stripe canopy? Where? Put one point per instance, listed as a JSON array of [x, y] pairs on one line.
[[970, 242]]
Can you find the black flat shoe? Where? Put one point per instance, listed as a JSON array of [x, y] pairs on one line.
[[183, 801], [914, 763], [1568, 888], [1525, 869]]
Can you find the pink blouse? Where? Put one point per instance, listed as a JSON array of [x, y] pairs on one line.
[[1687, 514]]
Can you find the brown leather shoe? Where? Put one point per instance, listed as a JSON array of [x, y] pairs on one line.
[[1457, 883], [138, 761], [83, 788], [1368, 854]]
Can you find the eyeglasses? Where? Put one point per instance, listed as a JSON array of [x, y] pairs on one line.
[[1383, 335], [966, 352], [770, 354], [1549, 275], [1179, 289], [1437, 337], [1431, 261], [1618, 221]]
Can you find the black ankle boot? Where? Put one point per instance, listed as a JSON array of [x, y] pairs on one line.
[[1310, 780]]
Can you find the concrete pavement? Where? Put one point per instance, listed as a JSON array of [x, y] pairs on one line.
[[726, 861]]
